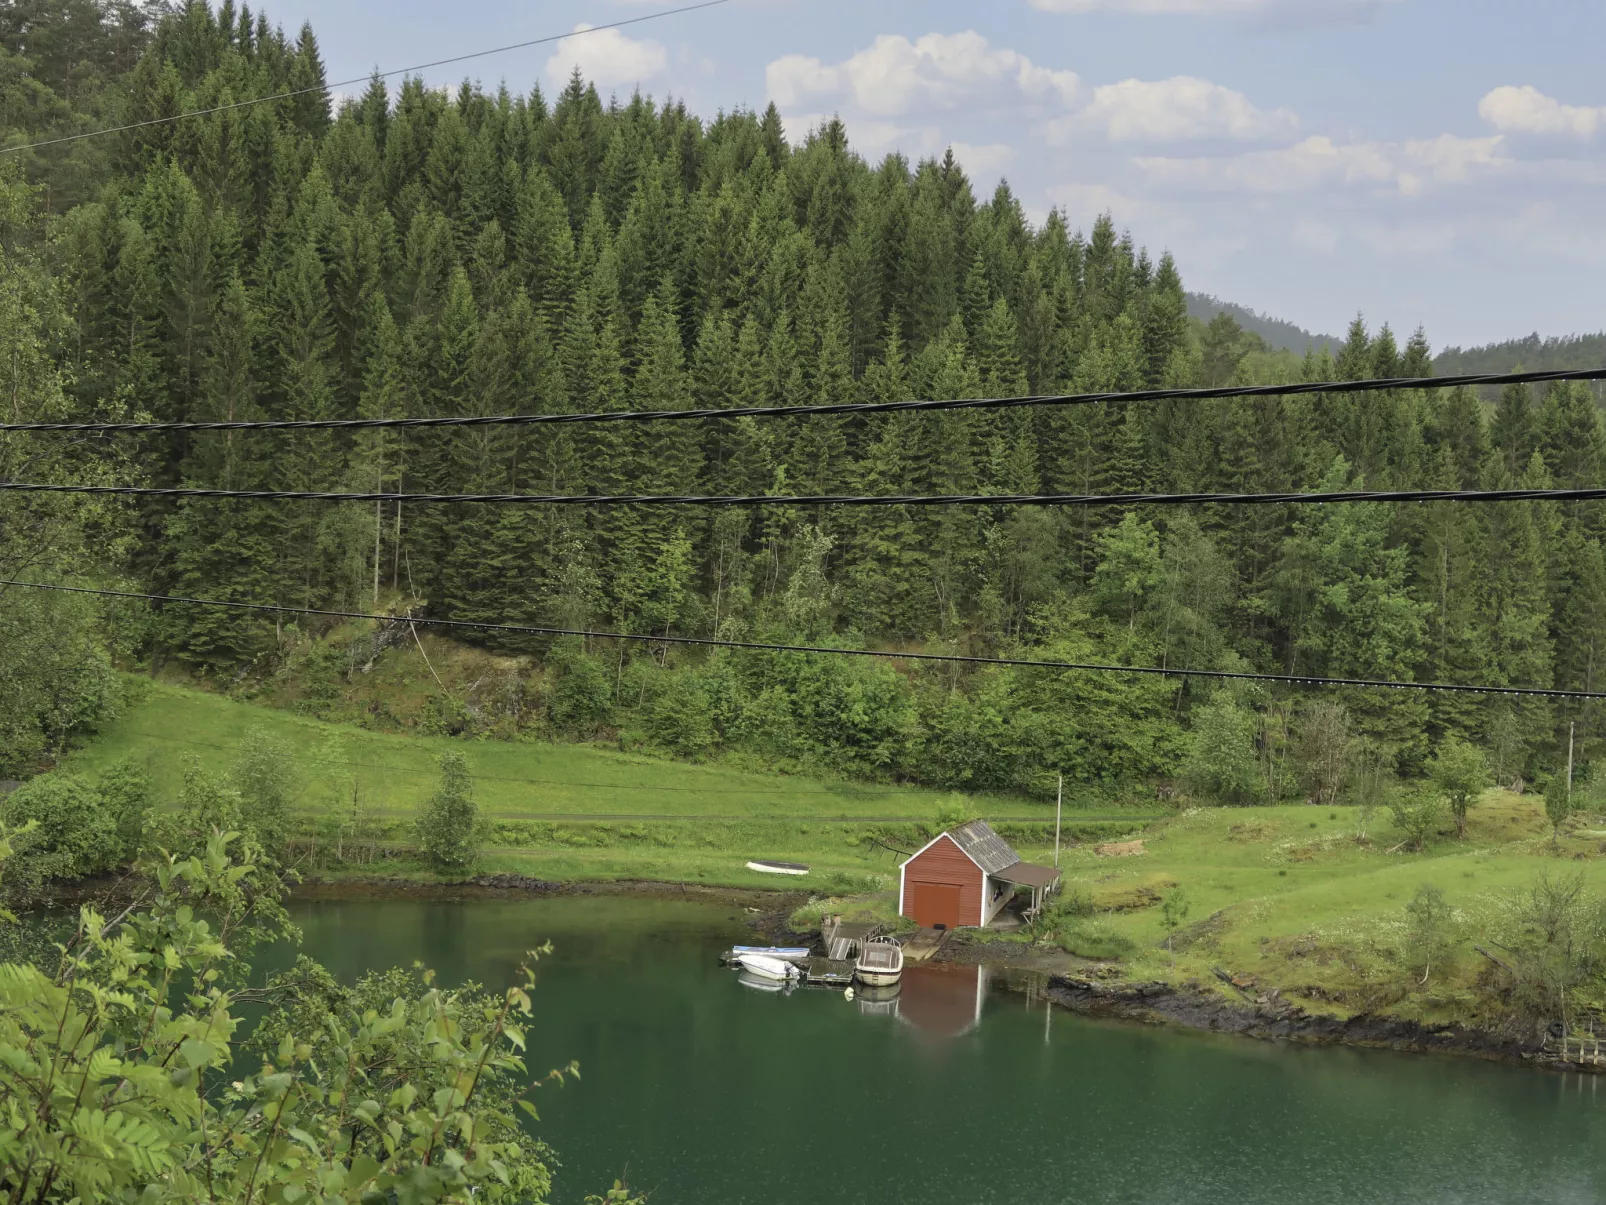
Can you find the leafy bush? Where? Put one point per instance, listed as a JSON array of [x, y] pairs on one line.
[[1221, 762], [395, 1089], [74, 833], [582, 697], [1416, 814], [681, 723], [125, 791]]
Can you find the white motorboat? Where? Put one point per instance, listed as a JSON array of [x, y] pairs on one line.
[[880, 962], [766, 967]]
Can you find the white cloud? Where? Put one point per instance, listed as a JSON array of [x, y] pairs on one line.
[[606, 58], [984, 163], [1527, 110], [1317, 162], [1171, 110], [895, 76], [1213, 8]]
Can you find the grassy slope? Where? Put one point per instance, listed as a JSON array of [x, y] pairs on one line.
[[1287, 895], [570, 811]]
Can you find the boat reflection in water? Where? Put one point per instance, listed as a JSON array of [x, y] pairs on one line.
[[762, 983], [938, 1002]]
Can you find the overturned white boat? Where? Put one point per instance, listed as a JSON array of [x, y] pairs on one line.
[[770, 866], [766, 967], [880, 962]]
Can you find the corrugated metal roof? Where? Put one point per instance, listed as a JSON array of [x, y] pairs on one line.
[[1029, 874], [990, 851]]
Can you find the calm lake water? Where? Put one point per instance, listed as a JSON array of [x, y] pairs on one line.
[[707, 1091]]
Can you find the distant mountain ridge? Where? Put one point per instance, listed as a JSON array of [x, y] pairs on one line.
[[1532, 353], [1280, 335]]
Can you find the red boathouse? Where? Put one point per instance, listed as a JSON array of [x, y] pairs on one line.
[[963, 878]]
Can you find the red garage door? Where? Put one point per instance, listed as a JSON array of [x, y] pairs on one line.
[[933, 904]]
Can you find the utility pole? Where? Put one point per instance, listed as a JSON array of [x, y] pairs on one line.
[[1572, 727], [1059, 803]]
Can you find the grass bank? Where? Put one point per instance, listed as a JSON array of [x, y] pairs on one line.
[[560, 812], [1287, 898]]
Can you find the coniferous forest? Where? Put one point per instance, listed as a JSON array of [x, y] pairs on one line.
[[479, 251]]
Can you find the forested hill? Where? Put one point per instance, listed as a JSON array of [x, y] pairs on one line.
[[1279, 334], [1532, 353], [464, 251]]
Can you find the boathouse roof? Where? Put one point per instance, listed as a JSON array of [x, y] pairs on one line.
[[985, 847]]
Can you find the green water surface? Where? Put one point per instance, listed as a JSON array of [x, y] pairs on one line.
[[704, 1090]]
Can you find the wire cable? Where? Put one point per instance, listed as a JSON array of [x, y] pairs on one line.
[[765, 646], [262, 100], [709, 414], [1581, 494]]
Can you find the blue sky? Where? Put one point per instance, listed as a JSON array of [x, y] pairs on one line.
[[1432, 162]]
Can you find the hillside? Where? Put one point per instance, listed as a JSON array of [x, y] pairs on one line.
[[1533, 353], [1278, 334], [463, 252]]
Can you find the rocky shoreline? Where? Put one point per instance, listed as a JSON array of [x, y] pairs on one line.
[[1088, 989]]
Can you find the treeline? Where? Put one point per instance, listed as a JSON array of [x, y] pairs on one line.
[[473, 252]]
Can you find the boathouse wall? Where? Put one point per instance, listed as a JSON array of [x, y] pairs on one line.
[[942, 885]]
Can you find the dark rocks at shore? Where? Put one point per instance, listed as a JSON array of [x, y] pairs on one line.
[[1275, 1019]]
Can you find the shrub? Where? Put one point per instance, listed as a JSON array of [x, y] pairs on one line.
[[680, 722], [1221, 762], [1416, 814], [75, 833], [582, 698]]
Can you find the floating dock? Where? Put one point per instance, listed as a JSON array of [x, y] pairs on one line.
[[829, 972]]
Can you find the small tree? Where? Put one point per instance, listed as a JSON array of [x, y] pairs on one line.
[[1372, 787], [265, 774], [1427, 938], [1326, 751], [1173, 911], [1462, 772], [1416, 814], [1558, 805], [1221, 762], [448, 827]]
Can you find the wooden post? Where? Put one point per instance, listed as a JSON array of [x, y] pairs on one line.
[[1571, 730], [1059, 801]]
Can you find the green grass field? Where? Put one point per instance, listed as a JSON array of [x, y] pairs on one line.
[[561, 811], [1289, 896]]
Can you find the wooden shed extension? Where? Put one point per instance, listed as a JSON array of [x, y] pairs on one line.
[[963, 877]]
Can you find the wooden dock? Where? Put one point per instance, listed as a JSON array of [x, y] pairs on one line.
[[842, 938], [829, 972]]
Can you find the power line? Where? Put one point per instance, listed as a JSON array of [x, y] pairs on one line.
[[1581, 494], [765, 646], [261, 100], [710, 414]]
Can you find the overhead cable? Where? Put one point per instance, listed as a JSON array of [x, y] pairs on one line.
[[827, 650], [460, 58], [711, 414], [1324, 497]]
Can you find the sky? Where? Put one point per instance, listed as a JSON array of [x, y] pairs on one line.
[[1433, 163]]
